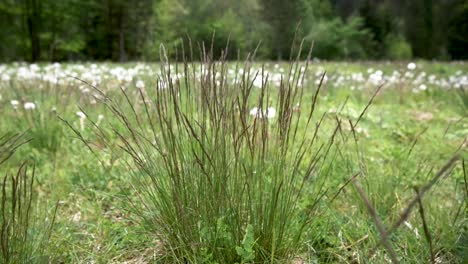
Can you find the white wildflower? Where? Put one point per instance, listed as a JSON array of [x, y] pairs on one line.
[[100, 118], [14, 103], [34, 67], [258, 81], [270, 113], [254, 111], [140, 84], [411, 66], [81, 115], [325, 80], [258, 113], [376, 77], [128, 78], [422, 87], [5, 77], [29, 106], [410, 227], [409, 75], [162, 85]]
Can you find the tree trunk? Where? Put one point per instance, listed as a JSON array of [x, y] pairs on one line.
[[429, 25], [122, 53], [33, 19]]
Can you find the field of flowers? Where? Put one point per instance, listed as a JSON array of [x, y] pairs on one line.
[[225, 162]]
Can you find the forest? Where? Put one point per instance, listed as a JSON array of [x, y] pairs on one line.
[[124, 30]]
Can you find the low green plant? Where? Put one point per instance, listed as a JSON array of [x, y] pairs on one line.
[[24, 229]]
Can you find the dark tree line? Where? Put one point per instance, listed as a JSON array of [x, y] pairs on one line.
[[122, 30]]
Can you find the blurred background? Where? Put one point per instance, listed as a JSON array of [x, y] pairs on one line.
[[130, 30]]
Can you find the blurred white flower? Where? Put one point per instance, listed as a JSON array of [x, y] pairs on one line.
[[34, 67], [254, 111], [325, 80], [140, 84], [409, 75], [376, 77], [258, 81], [100, 118], [258, 113], [29, 106], [422, 87], [270, 113], [5, 77], [162, 85], [14, 103], [331, 111], [81, 115], [411, 66], [410, 227]]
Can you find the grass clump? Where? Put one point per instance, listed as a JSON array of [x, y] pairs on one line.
[[24, 230], [220, 166]]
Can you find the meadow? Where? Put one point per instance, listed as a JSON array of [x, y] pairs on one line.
[[234, 162]]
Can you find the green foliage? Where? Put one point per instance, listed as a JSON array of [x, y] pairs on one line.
[[283, 18], [336, 39], [122, 30], [201, 23], [246, 249], [397, 48]]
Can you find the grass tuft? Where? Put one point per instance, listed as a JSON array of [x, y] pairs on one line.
[[24, 230], [219, 166]]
